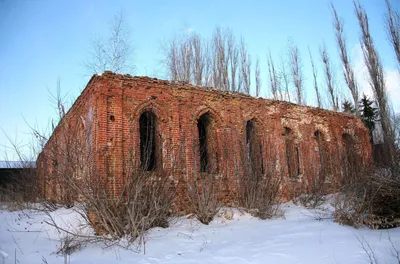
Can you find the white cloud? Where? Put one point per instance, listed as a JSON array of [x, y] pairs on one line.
[[393, 87]]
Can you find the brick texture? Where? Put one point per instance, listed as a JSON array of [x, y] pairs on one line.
[[111, 105]]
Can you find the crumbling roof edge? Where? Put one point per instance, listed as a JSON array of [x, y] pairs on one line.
[[205, 89]]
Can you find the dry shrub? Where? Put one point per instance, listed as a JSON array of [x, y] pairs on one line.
[[384, 185], [262, 199], [121, 203], [259, 188], [203, 197], [353, 202], [314, 189], [314, 197], [370, 196], [145, 202]]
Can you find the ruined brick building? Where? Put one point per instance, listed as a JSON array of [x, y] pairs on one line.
[[181, 130]]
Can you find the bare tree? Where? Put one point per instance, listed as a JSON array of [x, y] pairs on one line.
[[376, 77], [171, 59], [296, 70], [396, 127], [181, 60], [284, 76], [220, 58], [186, 56], [273, 78], [187, 59], [219, 62], [257, 77], [233, 58], [199, 62], [226, 60], [393, 29], [329, 78], [348, 71], [314, 71], [113, 53], [245, 68]]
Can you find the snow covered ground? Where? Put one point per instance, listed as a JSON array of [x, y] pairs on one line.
[[298, 237]]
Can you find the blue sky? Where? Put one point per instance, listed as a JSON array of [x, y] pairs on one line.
[[42, 41]]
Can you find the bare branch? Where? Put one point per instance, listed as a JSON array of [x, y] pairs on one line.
[[393, 29], [285, 78], [113, 53], [273, 78], [296, 70], [314, 71], [376, 77], [257, 77], [245, 68], [348, 71], [329, 78]]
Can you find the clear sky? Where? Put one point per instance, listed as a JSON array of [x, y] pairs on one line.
[[41, 41]]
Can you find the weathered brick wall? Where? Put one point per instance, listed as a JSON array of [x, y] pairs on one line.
[[119, 100], [69, 150]]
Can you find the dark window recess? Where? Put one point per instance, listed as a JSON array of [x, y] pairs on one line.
[[254, 149], [147, 124], [321, 151], [350, 154], [203, 125], [297, 161], [250, 145], [292, 154], [262, 161]]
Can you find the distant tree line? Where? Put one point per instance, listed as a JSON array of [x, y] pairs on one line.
[[223, 62]]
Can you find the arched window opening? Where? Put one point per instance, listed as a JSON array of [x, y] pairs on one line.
[[254, 149], [207, 144], [203, 125], [321, 152], [349, 151], [148, 157], [292, 154], [250, 144]]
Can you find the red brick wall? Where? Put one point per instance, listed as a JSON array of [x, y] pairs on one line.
[[70, 147], [119, 100]]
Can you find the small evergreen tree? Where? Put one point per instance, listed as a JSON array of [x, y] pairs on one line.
[[369, 114], [348, 107]]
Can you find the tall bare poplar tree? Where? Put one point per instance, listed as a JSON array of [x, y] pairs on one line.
[[257, 77], [348, 71], [314, 72], [180, 59], [199, 60], [393, 28], [273, 77], [245, 68], [284, 76], [296, 70], [376, 76], [188, 60], [220, 62], [233, 58], [329, 78]]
